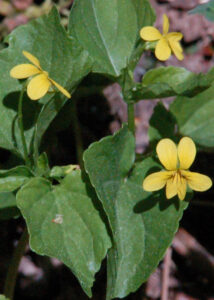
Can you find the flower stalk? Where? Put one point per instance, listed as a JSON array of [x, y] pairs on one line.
[[10, 281], [131, 117], [77, 133], [21, 127]]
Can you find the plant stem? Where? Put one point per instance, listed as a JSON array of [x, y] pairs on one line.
[[131, 120], [35, 147], [21, 127], [10, 281], [77, 132]]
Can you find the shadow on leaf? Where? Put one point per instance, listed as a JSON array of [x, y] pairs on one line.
[[96, 202], [31, 108], [152, 170], [156, 198]]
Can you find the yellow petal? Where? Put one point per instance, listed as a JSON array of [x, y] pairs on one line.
[[32, 59], [165, 24], [150, 34], [176, 36], [162, 50], [171, 188], [38, 87], [176, 49], [186, 152], [156, 181], [60, 88], [197, 181], [181, 188], [23, 71], [167, 154], [176, 185]]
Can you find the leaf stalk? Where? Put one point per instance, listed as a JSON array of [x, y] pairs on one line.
[[77, 132], [21, 127], [10, 281], [131, 117]]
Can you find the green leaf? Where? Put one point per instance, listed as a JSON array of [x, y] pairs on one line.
[[8, 208], [63, 223], [12, 179], [160, 216], [161, 125], [195, 118], [171, 81], [42, 165], [59, 172], [109, 31], [2, 297], [143, 224], [206, 9], [60, 55]]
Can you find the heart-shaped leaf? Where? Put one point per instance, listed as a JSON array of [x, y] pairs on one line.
[[63, 223], [109, 30], [60, 55], [143, 224]]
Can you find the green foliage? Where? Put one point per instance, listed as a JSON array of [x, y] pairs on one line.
[[76, 217], [136, 218], [109, 31], [206, 9], [60, 55], [42, 168], [58, 172], [195, 118], [161, 125], [64, 223], [170, 81], [2, 297], [12, 179]]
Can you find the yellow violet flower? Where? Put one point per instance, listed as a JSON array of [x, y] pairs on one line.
[[177, 161], [167, 42], [39, 85]]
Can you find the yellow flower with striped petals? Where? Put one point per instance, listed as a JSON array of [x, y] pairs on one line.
[[177, 161], [40, 84], [167, 42]]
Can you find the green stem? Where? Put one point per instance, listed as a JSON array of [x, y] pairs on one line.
[[77, 132], [36, 150], [21, 127], [10, 281], [131, 117]]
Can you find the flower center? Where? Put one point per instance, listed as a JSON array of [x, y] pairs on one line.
[[45, 73], [177, 177], [165, 38]]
